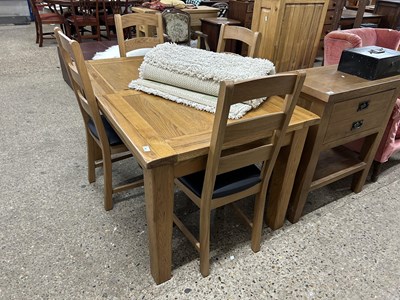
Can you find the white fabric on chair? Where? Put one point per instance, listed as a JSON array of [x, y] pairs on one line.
[[113, 52]]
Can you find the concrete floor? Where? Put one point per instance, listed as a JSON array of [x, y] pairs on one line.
[[57, 242]]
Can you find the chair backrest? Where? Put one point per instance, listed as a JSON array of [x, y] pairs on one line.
[[223, 9], [113, 7], [336, 41], [360, 13], [35, 10], [136, 21], [74, 62], [239, 33], [176, 25], [251, 140], [85, 8]]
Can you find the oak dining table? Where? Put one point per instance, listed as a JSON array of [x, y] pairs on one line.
[[170, 140]]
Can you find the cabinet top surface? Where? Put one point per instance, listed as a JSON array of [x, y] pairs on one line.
[[328, 84]]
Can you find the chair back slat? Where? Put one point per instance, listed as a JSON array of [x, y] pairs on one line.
[[254, 89], [248, 131], [244, 158], [239, 33], [137, 22]]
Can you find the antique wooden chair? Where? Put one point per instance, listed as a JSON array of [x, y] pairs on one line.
[[103, 144], [128, 22], [83, 15], [111, 8], [236, 150], [223, 9], [49, 18], [242, 34], [177, 29]]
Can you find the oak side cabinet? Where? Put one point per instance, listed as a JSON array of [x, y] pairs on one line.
[[350, 108], [290, 31]]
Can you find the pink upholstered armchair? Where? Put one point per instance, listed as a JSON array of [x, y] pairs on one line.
[[334, 43]]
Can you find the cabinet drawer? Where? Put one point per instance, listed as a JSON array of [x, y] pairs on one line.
[[250, 7], [357, 107], [354, 126], [332, 4], [357, 115], [248, 18], [325, 30], [330, 14]]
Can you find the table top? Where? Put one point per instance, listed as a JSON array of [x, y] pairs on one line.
[[160, 131], [68, 2], [351, 14], [196, 10], [221, 20], [328, 84]]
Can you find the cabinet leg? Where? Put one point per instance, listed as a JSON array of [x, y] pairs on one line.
[[376, 170]]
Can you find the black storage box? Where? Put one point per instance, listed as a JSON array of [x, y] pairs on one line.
[[370, 62]]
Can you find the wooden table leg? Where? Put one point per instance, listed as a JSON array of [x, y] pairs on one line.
[[282, 180], [304, 177], [159, 195]]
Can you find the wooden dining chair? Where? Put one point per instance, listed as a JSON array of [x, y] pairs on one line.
[[84, 14], [48, 18], [128, 23], [241, 34], [223, 9], [237, 149], [104, 146]]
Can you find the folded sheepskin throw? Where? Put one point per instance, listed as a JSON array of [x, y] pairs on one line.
[[192, 76]]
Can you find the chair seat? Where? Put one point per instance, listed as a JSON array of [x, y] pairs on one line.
[[113, 137], [225, 184], [83, 19], [52, 18]]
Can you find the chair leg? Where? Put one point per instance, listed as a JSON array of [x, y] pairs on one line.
[[259, 207], [108, 190], [93, 154], [376, 170], [205, 242], [40, 36], [37, 32]]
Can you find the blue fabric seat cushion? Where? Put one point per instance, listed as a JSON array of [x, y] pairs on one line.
[[225, 184], [113, 138]]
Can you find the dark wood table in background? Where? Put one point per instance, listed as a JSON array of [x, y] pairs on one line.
[[390, 10], [349, 15], [212, 26]]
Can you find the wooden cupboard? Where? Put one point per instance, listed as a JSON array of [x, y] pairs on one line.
[[390, 9], [241, 11], [290, 31], [332, 20]]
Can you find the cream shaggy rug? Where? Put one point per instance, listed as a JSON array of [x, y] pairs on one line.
[[192, 76]]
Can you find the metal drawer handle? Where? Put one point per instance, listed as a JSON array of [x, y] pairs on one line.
[[357, 124], [363, 105]]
